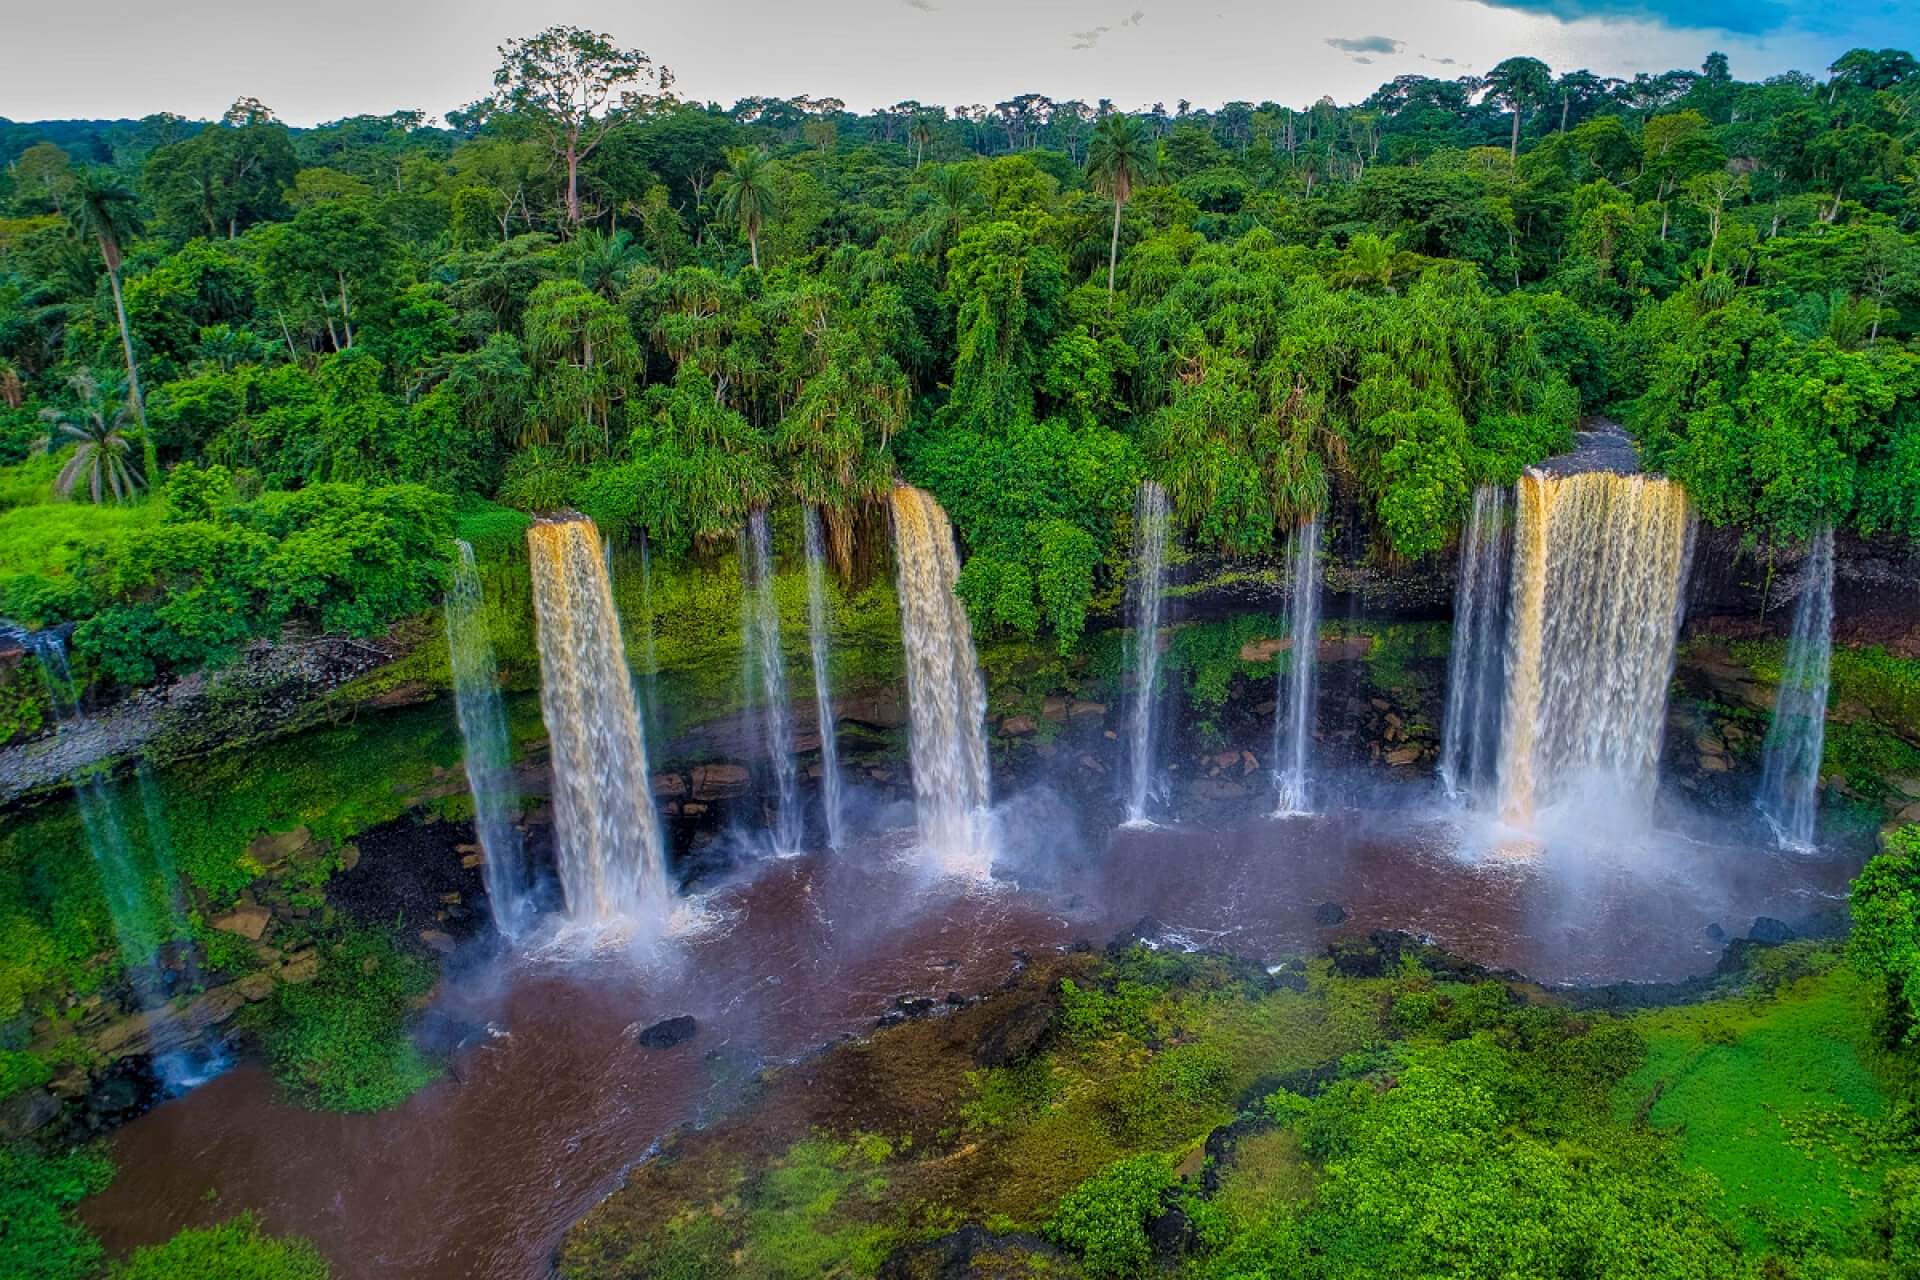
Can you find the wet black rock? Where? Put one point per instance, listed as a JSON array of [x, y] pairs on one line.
[[1770, 932], [1716, 934], [121, 1091], [1171, 1234], [668, 1032], [1328, 914]]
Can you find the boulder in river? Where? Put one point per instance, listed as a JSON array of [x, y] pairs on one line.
[[668, 1032]]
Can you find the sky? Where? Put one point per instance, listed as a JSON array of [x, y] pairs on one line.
[[315, 62]]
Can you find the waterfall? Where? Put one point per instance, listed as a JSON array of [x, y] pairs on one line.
[[1599, 561], [1790, 777], [1293, 716], [489, 751], [606, 833], [1144, 600], [1471, 733], [764, 671], [946, 697], [140, 927], [817, 622]]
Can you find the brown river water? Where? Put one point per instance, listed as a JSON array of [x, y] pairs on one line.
[[481, 1173]]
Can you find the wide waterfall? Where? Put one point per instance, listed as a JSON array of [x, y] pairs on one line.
[[1471, 731], [1293, 714], [489, 751], [946, 696], [1599, 562], [607, 836], [764, 671], [818, 638], [1790, 775], [1145, 597]]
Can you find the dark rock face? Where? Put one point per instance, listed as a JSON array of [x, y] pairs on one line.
[[972, 1253], [668, 1032], [1328, 914], [27, 1113], [1770, 932], [121, 1091], [1171, 1234], [1019, 1031]]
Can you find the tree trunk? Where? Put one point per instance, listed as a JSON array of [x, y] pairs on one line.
[[346, 312], [753, 245], [1566, 100], [151, 455], [573, 185], [1513, 151], [1113, 254]]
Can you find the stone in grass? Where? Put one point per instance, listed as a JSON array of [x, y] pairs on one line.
[[668, 1032]]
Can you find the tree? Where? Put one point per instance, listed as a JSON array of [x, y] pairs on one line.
[[103, 210], [572, 86], [102, 454], [920, 133], [1120, 156], [1516, 84], [744, 194]]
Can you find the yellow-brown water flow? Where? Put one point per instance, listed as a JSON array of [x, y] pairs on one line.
[[607, 836], [1599, 561], [946, 696]]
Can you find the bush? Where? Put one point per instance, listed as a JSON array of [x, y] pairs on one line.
[[1104, 1219], [1885, 943], [38, 1241], [236, 1250], [339, 1042]]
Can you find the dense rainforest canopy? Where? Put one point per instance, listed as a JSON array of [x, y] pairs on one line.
[[254, 377]]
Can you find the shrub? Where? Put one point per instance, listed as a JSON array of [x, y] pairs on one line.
[[236, 1250], [339, 1042], [1104, 1219], [1885, 943], [38, 1241]]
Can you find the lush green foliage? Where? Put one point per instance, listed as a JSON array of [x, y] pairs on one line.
[[38, 1239], [1104, 1219], [1885, 942], [236, 1250], [670, 314], [340, 1041]]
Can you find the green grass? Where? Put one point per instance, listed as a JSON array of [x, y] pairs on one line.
[[236, 1250], [1778, 1100]]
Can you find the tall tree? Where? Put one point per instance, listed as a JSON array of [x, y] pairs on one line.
[[1516, 84], [1120, 155], [744, 194], [575, 87], [102, 210]]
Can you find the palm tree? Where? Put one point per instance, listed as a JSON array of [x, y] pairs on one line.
[[603, 262], [955, 199], [1120, 155], [744, 194], [103, 449], [920, 133], [102, 209]]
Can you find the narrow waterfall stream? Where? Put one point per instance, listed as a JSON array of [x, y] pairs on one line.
[[1789, 794], [765, 674], [1145, 597], [1293, 717], [607, 837], [489, 750], [1470, 733], [819, 644], [1599, 562], [946, 697]]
